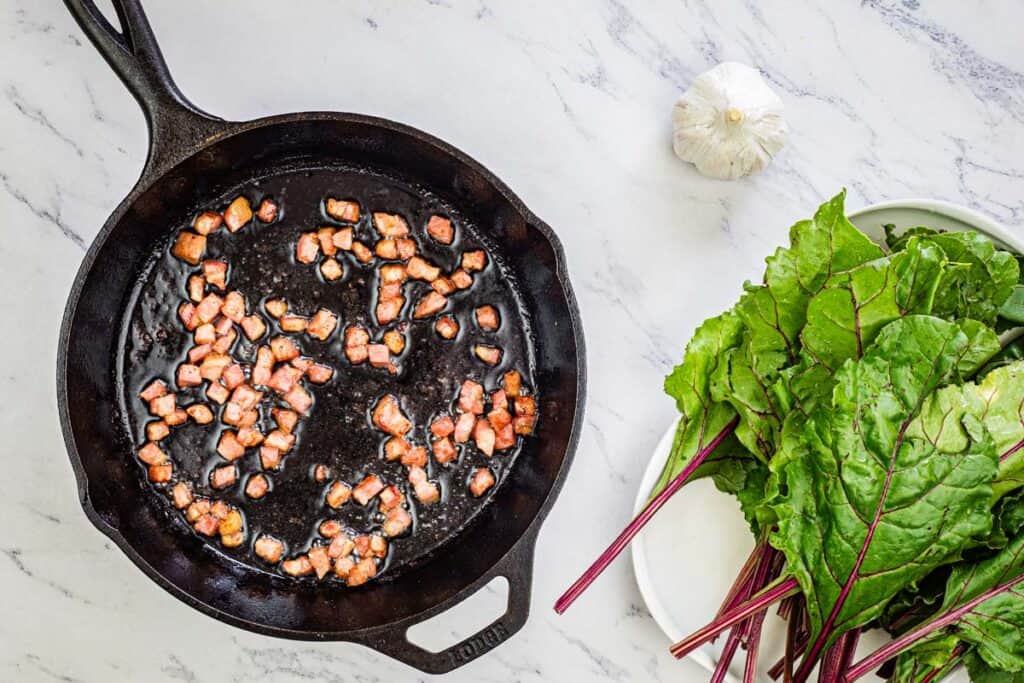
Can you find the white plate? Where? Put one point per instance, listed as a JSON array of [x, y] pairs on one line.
[[686, 558]]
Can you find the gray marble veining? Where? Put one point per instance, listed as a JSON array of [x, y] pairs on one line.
[[569, 103]]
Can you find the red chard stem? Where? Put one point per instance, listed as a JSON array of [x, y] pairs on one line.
[[638, 523]]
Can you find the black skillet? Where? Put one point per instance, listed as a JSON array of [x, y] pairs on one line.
[[195, 158]]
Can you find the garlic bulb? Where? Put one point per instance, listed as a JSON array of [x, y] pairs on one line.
[[729, 123]]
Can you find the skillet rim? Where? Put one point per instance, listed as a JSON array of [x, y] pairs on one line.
[[521, 549]]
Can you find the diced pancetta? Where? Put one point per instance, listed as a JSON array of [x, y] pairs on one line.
[[390, 225], [257, 486], [488, 354], [216, 272], [229, 447], [471, 397], [331, 269], [275, 307], [444, 451], [342, 210], [365, 490], [338, 494], [307, 248], [431, 303], [483, 479], [207, 222], [484, 435], [267, 211], [200, 413], [464, 427], [388, 417], [474, 260], [322, 324], [268, 549], [440, 228], [223, 476], [189, 247], [238, 213]]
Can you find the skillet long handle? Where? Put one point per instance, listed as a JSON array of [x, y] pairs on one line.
[[176, 125], [517, 568]]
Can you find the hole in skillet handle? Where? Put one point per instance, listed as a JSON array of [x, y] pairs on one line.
[[470, 616], [516, 568]]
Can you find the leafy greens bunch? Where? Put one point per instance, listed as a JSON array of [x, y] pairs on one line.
[[861, 407]]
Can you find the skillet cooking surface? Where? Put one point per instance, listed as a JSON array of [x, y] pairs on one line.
[[338, 431]]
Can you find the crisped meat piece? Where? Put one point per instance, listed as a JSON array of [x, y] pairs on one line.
[[471, 397], [223, 476], [419, 269], [442, 426], [431, 303], [395, 448], [342, 210], [331, 269], [397, 521], [320, 561], [415, 457], [390, 225], [440, 228], [307, 248], [207, 222], [189, 247], [200, 413], [484, 436], [257, 486], [488, 354], [238, 213], [229, 447], [297, 566], [269, 549], [369, 487], [464, 427], [181, 495], [267, 211], [483, 479], [444, 451], [474, 260], [388, 417], [276, 307], [322, 324], [487, 318], [338, 494], [154, 389], [447, 327]]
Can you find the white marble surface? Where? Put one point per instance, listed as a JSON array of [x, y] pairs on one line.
[[569, 103]]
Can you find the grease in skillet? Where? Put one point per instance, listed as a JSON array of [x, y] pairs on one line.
[[330, 386]]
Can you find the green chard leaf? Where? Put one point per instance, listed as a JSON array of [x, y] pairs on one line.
[[981, 672], [1013, 308], [995, 624], [845, 317], [774, 314], [702, 418], [886, 482], [898, 241], [1008, 519], [931, 664], [1000, 399], [980, 289]]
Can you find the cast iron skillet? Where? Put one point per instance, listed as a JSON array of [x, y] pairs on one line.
[[194, 156]]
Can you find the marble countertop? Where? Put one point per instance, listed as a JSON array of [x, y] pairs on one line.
[[569, 103]]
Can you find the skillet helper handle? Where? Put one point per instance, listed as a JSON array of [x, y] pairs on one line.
[[175, 124], [517, 568]]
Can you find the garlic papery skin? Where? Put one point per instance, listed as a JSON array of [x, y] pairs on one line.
[[729, 123]]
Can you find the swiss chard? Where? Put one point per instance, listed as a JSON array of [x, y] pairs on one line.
[[889, 487], [984, 607]]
